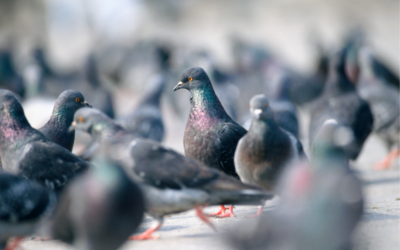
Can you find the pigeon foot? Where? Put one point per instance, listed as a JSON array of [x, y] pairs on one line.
[[221, 211], [227, 214], [203, 217], [14, 244], [147, 235], [259, 212], [386, 162]]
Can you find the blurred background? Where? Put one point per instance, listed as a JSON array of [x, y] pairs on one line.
[[110, 49]]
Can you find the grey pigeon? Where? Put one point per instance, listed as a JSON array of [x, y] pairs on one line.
[[341, 102], [24, 206], [173, 183], [211, 136], [98, 210], [27, 152], [146, 120], [384, 100], [321, 202], [57, 127], [266, 149], [285, 112]]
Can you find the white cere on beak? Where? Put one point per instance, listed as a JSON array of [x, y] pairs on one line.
[[257, 111], [330, 122], [133, 143], [343, 136]]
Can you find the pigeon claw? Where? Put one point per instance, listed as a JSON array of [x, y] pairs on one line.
[[259, 212], [220, 212], [14, 244], [203, 217], [227, 214], [147, 235], [386, 162]]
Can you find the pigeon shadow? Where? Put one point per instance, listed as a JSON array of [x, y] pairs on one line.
[[204, 235], [381, 181], [368, 216], [162, 229]]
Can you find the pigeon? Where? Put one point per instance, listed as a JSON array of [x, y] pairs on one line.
[[56, 128], [305, 89], [173, 183], [341, 102], [24, 206], [321, 202], [9, 77], [211, 136], [266, 149], [86, 81], [146, 121], [285, 112], [27, 152], [100, 127], [384, 101], [98, 210]]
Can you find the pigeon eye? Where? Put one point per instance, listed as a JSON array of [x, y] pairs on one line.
[[80, 118], [190, 79], [77, 99], [266, 105]]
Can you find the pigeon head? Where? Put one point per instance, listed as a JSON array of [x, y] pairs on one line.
[[330, 141], [260, 109], [193, 79], [71, 100], [11, 109], [92, 121]]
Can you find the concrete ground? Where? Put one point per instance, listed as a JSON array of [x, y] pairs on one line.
[[379, 228]]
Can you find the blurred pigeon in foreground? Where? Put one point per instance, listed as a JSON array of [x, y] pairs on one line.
[[211, 136], [341, 102], [320, 207], [57, 127], [98, 210], [172, 183], [27, 152], [24, 206], [266, 149], [146, 121], [384, 100]]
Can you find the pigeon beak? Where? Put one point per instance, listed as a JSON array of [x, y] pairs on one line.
[[72, 127], [180, 85], [87, 104], [257, 113]]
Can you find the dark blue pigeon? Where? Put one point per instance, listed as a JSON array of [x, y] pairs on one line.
[[146, 120], [341, 102], [211, 136], [24, 206], [27, 152]]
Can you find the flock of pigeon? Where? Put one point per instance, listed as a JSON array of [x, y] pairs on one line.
[[97, 200]]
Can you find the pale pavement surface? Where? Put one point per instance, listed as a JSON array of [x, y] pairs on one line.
[[379, 228]]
